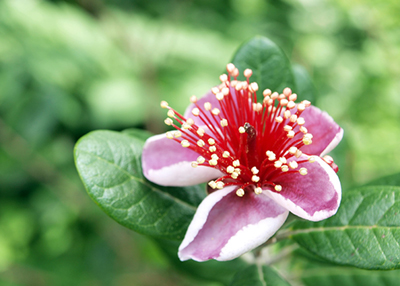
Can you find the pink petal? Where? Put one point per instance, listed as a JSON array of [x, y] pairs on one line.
[[226, 226], [208, 97], [166, 162], [315, 196], [326, 132]]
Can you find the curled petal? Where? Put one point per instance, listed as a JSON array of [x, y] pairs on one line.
[[166, 162], [326, 132], [225, 226], [315, 196]]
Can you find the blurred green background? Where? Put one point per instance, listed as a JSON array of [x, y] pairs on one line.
[[69, 67]]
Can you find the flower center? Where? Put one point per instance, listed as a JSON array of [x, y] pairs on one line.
[[252, 143]]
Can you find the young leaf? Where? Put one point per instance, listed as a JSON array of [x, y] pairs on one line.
[[364, 233], [271, 67], [258, 275], [109, 164]]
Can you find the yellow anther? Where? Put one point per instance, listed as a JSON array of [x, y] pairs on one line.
[[214, 156], [277, 164], [285, 168], [257, 107], [293, 164], [215, 90], [223, 77], [215, 111], [212, 148], [237, 170], [278, 188], [306, 103], [177, 134], [272, 157], [230, 169], [303, 129], [225, 91], [298, 153], [194, 164], [164, 104], [211, 141], [185, 125], [291, 104], [236, 163], [287, 114], [168, 121], [255, 178], [292, 150], [169, 135], [171, 113], [247, 72], [200, 143], [283, 160], [275, 95], [287, 91], [224, 122], [287, 128], [267, 92], [279, 119], [307, 141], [220, 185], [200, 131], [284, 102], [242, 130], [293, 118], [230, 67], [303, 171], [212, 184], [201, 160], [213, 162], [234, 175], [185, 143], [300, 121], [219, 96], [301, 107], [240, 192], [258, 191], [254, 86], [190, 121], [195, 111], [207, 106], [293, 97], [254, 170], [290, 134], [193, 99], [312, 159], [225, 154], [235, 72]]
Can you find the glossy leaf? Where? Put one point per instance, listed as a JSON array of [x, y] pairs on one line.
[[305, 89], [110, 167], [364, 233], [271, 67], [391, 180], [258, 275]]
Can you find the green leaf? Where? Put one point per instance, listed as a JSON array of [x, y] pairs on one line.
[[109, 164], [305, 89], [138, 133], [312, 272], [212, 270], [258, 275], [391, 180], [364, 233], [271, 67]]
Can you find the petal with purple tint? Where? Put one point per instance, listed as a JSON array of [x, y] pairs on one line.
[[166, 162], [315, 196], [326, 132], [226, 226]]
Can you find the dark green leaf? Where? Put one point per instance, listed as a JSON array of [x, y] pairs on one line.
[[138, 133], [305, 89], [271, 67], [211, 270], [109, 164], [391, 180], [258, 275], [364, 233]]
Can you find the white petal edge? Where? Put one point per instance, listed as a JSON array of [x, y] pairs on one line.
[[333, 143], [251, 236], [201, 216], [189, 175], [319, 215]]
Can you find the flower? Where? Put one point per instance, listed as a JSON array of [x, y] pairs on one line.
[[261, 160]]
